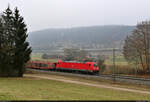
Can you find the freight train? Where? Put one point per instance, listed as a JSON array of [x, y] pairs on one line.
[[65, 66]]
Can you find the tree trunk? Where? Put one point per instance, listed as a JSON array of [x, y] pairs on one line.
[[146, 52], [142, 62], [20, 73]]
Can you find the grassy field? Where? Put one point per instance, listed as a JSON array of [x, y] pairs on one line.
[[38, 56], [119, 60], [42, 89]]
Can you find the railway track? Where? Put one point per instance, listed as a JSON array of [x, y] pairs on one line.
[[114, 78]]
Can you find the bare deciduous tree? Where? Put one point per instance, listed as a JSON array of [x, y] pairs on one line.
[[137, 46]]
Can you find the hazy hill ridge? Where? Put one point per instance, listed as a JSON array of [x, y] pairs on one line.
[[98, 35]]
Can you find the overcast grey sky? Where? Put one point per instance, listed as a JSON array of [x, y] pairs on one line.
[[41, 14]]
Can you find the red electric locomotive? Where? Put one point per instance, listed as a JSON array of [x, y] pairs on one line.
[[65, 65], [79, 66]]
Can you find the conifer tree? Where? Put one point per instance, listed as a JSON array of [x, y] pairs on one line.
[[14, 49], [22, 49]]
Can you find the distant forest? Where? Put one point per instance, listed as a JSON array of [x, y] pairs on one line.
[[84, 37]]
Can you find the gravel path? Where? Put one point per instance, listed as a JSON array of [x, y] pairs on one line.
[[90, 84]]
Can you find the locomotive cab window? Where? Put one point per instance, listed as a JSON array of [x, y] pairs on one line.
[[95, 65]]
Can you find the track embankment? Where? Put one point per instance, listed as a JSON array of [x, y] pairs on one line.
[[114, 78], [86, 83]]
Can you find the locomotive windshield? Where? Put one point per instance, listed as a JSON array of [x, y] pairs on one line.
[[95, 65]]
